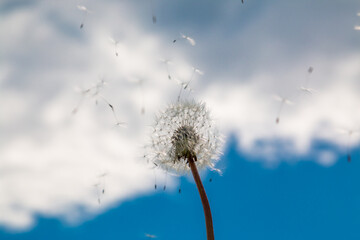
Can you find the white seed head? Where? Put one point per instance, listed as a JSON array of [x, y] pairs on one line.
[[184, 130]]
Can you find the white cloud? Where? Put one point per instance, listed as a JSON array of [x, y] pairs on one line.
[[250, 112], [50, 159]]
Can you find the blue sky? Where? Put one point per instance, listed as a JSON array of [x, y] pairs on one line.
[[293, 201], [280, 181]]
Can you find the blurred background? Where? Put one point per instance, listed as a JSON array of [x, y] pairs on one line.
[[81, 81]]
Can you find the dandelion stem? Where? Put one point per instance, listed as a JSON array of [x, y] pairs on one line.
[[204, 199]]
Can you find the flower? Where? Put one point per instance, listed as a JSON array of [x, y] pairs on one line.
[[185, 130]]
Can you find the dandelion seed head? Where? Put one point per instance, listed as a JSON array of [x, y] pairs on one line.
[[184, 130], [185, 141]]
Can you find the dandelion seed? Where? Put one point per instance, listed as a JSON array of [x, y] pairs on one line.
[[308, 90], [350, 133], [154, 19], [104, 174], [357, 27], [167, 62], [97, 192], [184, 85], [164, 188], [187, 38], [195, 70], [305, 88], [115, 43], [283, 101], [187, 140], [100, 186], [154, 171], [150, 235], [102, 182], [83, 8], [83, 94], [86, 11], [198, 71], [180, 187], [117, 122], [95, 92], [140, 83]]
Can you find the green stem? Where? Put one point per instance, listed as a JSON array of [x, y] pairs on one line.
[[204, 199]]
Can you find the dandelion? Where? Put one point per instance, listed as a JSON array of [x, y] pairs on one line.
[[185, 139]]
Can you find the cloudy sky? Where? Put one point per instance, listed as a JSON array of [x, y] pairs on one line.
[[60, 146]]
